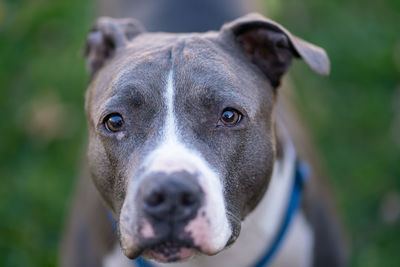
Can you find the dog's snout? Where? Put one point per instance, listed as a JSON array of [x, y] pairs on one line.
[[174, 197]]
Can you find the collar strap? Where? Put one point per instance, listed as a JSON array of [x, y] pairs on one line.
[[301, 175]]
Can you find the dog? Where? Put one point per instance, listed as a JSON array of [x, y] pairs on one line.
[[191, 154]]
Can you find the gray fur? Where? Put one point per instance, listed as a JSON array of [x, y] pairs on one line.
[[212, 71]]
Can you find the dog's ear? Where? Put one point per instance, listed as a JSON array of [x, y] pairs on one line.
[[271, 47], [106, 37]]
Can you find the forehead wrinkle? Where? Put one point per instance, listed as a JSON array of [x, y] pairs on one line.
[[208, 73], [121, 77]]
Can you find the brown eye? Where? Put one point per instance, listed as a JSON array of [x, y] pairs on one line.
[[230, 117], [114, 122]]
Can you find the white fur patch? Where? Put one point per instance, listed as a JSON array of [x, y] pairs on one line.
[[297, 249], [116, 258], [275, 201], [173, 156]]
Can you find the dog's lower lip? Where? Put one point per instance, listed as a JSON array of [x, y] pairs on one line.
[[171, 252], [169, 245]]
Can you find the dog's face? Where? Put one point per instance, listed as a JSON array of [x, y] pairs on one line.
[[181, 129]]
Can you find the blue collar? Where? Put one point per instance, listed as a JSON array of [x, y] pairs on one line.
[[301, 175]]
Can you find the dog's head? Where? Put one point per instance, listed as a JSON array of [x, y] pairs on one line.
[[181, 129]]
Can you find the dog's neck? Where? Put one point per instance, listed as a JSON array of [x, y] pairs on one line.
[[260, 227]]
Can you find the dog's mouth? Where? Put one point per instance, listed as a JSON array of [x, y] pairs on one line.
[[170, 250]]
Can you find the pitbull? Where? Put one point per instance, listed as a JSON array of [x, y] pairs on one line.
[[190, 154]]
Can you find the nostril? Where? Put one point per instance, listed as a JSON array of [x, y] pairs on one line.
[[170, 198], [155, 199], [188, 199]]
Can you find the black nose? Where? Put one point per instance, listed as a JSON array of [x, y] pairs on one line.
[[174, 197]]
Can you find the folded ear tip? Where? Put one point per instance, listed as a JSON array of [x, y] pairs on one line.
[[323, 69], [314, 56], [325, 64], [322, 64], [326, 71]]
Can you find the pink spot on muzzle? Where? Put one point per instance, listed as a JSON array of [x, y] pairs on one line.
[[146, 230], [199, 230]]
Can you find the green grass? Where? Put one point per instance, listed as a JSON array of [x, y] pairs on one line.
[[40, 65], [351, 114]]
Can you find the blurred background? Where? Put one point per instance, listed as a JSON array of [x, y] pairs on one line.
[[353, 115]]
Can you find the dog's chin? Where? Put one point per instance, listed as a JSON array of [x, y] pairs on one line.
[[166, 255], [163, 251], [169, 251]]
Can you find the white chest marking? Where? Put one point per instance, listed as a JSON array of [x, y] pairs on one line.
[[116, 258]]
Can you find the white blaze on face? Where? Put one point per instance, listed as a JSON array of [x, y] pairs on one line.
[[210, 229]]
